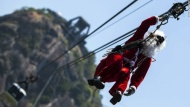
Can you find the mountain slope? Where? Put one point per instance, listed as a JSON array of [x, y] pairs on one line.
[[29, 40]]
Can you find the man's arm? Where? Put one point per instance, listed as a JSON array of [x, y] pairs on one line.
[[143, 28], [140, 73]]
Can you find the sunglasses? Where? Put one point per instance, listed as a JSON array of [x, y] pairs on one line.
[[159, 39]]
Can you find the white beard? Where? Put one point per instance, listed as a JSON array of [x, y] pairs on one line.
[[150, 48]]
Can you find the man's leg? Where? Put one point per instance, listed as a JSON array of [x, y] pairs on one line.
[[100, 66], [96, 80], [113, 65], [120, 86]]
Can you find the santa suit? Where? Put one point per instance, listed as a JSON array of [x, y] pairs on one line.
[[115, 69]]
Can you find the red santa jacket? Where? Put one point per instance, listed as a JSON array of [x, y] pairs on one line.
[[143, 61]]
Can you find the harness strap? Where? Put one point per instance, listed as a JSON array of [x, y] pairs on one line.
[[132, 61]]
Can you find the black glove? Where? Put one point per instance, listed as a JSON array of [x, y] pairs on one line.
[[117, 48]]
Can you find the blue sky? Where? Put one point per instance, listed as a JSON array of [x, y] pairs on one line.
[[167, 82]]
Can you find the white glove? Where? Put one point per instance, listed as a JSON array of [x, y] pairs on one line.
[[130, 91]]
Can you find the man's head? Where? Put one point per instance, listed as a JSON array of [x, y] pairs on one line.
[[156, 43], [159, 37]]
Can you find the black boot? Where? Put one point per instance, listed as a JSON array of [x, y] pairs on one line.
[[116, 97], [96, 81]]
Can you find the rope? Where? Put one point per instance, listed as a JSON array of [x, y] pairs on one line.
[[40, 94]]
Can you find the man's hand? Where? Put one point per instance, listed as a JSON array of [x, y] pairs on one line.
[[164, 17], [130, 91]]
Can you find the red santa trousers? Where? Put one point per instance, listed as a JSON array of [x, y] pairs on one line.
[[111, 69]]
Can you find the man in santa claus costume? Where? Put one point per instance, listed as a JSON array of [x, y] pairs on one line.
[[117, 66]]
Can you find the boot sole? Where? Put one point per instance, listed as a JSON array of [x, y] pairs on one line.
[[116, 98], [97, 84], [113, 101]]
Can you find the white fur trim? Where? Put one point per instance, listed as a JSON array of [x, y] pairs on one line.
[[133, 87], [157, 19]]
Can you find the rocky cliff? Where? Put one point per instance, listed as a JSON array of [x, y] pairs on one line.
[[30, 39]]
